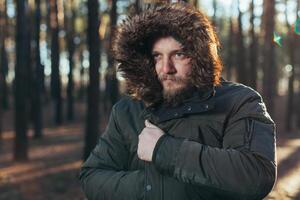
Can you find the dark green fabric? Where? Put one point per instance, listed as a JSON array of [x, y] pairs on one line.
[[217, 146]]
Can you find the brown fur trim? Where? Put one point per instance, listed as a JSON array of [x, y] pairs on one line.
[[135, 36]]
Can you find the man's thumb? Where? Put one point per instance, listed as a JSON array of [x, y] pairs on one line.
[[149, 125]]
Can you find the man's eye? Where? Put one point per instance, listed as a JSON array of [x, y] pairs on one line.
[[179, 55], [156, 56]]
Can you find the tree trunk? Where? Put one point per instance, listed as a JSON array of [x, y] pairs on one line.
[[112, 87], [2, 48], [253, 49], [214, 18], [81, 91], [1, 112], [3, 58], [137, 7], [140, 5], [4, 103], [241, 61], [291, 51], [269, 65], [21, 112], [29, 54], [298, 76], [70, 21], [37, 78], [55, 76], [93, 119], [230, 51], [196, 3], [47, 91]]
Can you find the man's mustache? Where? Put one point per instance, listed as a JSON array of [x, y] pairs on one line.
[[164, 77]]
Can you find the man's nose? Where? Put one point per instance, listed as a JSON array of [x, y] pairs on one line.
[[168, 66]]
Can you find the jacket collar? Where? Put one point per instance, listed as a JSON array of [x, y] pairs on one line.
[[201, 101]]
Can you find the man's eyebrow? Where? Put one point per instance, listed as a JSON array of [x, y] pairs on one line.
[[178, 50], [173, 51]]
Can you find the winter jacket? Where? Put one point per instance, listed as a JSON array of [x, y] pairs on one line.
[[218, 144]]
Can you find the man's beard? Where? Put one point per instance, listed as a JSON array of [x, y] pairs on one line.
[[176, 95]]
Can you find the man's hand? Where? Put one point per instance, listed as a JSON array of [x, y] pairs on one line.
[[147, 141]]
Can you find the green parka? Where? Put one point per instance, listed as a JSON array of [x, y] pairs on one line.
[[219, 144]]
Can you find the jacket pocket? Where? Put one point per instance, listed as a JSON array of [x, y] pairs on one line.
[[262, 139]]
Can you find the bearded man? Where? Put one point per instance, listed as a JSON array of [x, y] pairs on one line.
[[182, 132]]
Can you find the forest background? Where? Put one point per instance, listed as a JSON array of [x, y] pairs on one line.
[[58, 82]]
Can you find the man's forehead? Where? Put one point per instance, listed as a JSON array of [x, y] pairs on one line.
[[166, 42]]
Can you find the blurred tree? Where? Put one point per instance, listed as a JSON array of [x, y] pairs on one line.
[[141, 5], [93, 118], [1, 129], [230, 50], [2, 48], [215, 7], [30, 56], [241, 51], [21, 85], [55, 75], [137, 7], [37, 80], [253, 49], [3, 56], [195, 3], [112, 87], [298, 76], [291, 41], [46, 91], [269, 66], [4, 103], [69, 23], [81, 90]]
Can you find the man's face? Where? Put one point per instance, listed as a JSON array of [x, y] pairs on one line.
[[172, 65]]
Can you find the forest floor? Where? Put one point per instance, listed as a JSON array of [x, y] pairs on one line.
[[52, 169], [288, 162], [54, 161]]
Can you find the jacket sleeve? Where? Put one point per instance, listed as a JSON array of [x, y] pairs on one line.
[[104, 175], [244, 168]]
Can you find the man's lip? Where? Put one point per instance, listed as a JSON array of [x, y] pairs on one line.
[[168, 79]]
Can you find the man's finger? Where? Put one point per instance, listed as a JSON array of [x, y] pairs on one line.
[[149, 124]]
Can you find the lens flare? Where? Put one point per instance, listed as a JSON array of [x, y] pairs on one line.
[[277, 39]]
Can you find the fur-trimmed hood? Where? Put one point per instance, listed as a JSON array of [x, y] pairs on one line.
[[134, 39]]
